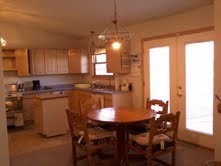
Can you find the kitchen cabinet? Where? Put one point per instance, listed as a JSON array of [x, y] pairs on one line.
[[28, 105], [37, 62], [22, 62], [62, 61], [118, 61], [110, 100], [16, 60], [76, 96], [50, 114], [78, 61], [49, 61], [9, 60]]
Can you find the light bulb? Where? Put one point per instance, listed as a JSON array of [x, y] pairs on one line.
[[116, 45]]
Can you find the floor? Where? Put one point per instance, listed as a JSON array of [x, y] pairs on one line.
[[27, 147]]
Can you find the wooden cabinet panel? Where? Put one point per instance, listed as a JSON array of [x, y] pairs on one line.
[[78, 61], [9, 60], [50, 61], [62, 62], [118, 61], [28, 106], [22, 63], [37, 62]]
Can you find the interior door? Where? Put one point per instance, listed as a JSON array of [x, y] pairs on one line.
[[160, 71], [195, 54], [189, 85]]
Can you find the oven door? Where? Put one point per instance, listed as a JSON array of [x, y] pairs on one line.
[[14, 111]]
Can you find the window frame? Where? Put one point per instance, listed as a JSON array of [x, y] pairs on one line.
[[94, 62]]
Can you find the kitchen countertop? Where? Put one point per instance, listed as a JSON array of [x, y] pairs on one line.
[[71, 87]]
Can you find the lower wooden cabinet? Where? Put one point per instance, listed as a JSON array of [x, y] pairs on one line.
[[109, 100], [50, 117]]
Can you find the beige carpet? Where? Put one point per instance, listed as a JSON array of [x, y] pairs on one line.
[[28, 148]]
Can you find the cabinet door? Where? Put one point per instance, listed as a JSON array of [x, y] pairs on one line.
[[50, 61], [28, 106], [9, 63], [118, 61], [37, 62], [78, 61], [62, 61], [22, 63]]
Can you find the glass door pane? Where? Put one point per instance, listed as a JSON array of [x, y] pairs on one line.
[[199, 58], [159, 59], [160, 73]]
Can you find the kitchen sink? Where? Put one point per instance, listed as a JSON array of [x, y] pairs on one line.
[[82, 85]]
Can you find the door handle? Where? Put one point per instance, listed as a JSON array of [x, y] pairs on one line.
[[179, 94]]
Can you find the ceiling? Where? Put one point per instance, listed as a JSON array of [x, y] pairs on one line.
[[77, 17]]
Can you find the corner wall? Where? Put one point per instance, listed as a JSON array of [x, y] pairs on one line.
[[193, 19], [217, 76], [4, 152]]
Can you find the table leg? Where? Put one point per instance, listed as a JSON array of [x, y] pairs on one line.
[[121, 140]]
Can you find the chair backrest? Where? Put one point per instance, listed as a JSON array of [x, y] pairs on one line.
[[166, 124], [86, 105], [162, 106], [77, 124]]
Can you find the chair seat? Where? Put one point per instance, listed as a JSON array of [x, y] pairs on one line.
[[143, 138], [138, 128], [96, 135], [155, 148]]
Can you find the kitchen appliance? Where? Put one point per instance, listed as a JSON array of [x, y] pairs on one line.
[[14, 109], [36, 85]]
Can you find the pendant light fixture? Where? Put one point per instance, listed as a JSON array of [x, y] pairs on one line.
[[115, 33], [92, 49], [3, 42]]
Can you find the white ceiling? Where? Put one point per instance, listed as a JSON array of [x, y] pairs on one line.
[[77, 17]]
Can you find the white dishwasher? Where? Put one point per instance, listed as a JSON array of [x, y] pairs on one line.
[[50, 117]]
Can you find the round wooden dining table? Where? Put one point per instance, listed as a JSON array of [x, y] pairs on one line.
[[121, 117]]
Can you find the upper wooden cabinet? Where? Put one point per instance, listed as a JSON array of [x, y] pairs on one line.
[[37, 62], [22, 62], [78, 61], [118, 61], [62, 61], [9, 60], [49, 61], [16, 60]]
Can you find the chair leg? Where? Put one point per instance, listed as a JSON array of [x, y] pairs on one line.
[[173, 162], [89, 159], [74, 154], [149, 160]]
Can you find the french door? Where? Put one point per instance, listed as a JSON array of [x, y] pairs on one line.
[[180, 70]]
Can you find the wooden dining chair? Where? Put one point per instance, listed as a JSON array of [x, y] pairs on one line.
[[159, 106], [90, 140], [161, 139]]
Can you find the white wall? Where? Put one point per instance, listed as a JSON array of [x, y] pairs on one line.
[[26, 36], [10, 77], [198, 18], [4, 153], [217, 116]]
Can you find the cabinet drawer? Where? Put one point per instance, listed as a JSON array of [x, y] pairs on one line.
[[108, 103], [107, 97]]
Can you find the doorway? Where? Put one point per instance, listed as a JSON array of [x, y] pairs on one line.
[[180, 70]]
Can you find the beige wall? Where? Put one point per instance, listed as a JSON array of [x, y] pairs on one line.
[[26, 36], [4, 153], [198, 18], [217, 116], [10, 77]]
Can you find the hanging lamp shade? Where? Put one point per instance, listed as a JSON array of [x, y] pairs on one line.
[[115, 32]]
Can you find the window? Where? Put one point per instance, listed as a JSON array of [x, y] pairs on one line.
[[100, 65]]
